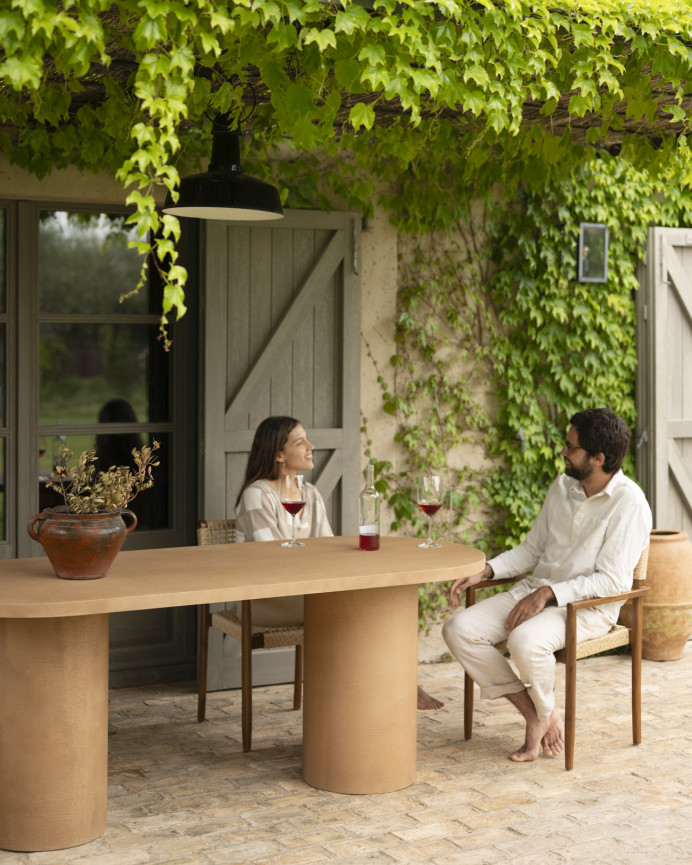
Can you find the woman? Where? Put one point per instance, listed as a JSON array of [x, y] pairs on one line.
[[281, 447]]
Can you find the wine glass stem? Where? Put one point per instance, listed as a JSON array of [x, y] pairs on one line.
[[429, 530], [293, 523]]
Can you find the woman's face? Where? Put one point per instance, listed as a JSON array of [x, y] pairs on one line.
[[296, 454]]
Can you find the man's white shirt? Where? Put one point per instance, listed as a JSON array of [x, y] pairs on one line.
[[583, 547]]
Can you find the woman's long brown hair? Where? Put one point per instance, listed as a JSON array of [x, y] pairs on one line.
[[270, 437]]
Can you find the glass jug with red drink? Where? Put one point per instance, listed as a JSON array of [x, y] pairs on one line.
[[369, 537]]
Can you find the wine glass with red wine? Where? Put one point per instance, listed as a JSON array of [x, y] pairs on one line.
[[430, 501], [293, 499]]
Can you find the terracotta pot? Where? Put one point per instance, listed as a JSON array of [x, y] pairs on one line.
[[81, 546], [667, 616]]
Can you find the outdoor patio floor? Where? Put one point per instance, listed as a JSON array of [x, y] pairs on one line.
[[182, 793]]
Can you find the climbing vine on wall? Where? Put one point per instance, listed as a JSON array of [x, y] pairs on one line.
[[497, 344]]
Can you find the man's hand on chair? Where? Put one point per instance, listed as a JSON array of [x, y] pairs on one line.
[[530, 606], [459, 586]]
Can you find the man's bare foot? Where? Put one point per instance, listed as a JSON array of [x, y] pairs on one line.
[[554, 740], [536, 729], [425, 701]]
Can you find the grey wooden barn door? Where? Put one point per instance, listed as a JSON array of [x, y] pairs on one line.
[[282, 337], [665, 377]]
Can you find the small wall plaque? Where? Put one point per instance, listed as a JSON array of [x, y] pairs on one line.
[[592, 254]]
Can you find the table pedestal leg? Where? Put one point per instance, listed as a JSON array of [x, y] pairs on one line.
[[54, 731], [361, 665]]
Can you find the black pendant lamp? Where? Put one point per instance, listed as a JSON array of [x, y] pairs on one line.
[[224, 191]]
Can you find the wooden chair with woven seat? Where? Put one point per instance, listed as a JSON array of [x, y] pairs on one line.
[[251, 636], [618, 636]]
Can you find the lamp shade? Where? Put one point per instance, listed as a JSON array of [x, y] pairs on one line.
[[224, 191]]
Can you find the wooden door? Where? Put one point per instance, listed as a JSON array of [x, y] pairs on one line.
[[282, 337], [664, 451]]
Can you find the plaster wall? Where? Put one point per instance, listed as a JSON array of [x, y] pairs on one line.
[[68, 185], [379, 283]]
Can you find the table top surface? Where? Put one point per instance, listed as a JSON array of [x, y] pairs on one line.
[[182, 576]]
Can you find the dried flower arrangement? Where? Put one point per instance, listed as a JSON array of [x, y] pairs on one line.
[[111, 490]]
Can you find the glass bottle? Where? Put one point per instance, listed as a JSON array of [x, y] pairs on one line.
[[369, 538]]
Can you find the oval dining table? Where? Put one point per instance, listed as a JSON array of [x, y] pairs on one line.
[[360, 677]]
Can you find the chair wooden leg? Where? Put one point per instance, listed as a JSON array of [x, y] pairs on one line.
[[468, 706], [636, 644], [468, 681], [570, 686], [298, 678], [246, 670], [202, 660]]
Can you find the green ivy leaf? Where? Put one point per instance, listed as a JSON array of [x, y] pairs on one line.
[[361, 115]]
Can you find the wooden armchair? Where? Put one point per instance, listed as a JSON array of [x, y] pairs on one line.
[[250, 637], [619, 635]]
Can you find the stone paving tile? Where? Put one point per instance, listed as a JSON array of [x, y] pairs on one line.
[[58, 857], [382, 829], [184, 859], [482, 856], [122, 857], [491, 837], [306, 856], [450, 829], [324, 838], [361, 847], [231, 852], [424, 851]]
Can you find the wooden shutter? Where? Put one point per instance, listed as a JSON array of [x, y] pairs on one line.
[[665, 377]]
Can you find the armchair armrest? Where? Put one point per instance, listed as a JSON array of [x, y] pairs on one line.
[[597, 602], [571, 623], [486, 584]]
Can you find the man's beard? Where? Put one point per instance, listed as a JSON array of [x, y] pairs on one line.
[[579, 473]]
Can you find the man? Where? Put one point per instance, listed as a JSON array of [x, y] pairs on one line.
[[591, 530]]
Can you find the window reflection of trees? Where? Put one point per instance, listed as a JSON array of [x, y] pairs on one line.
[[81, 366], [85, 264]]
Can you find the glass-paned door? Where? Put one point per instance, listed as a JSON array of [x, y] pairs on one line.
[[104, 380], [80, 368]]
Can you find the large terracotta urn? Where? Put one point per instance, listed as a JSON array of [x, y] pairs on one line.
[[667, 617], [81, 546]]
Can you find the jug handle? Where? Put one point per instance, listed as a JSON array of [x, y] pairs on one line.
[[39, 518], [128, 515]]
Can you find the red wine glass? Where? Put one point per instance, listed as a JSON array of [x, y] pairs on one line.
[[293, 499], [430, 502]]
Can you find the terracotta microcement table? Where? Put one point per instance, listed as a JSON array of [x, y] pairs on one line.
[[359, 716]]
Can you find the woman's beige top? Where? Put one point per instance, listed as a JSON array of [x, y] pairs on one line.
[[260, 516]]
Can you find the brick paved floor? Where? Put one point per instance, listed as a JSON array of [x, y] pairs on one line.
[[182, 793]]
